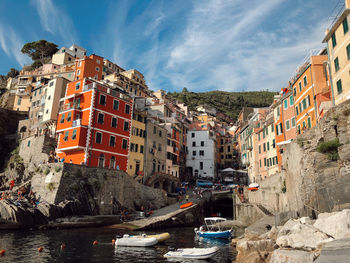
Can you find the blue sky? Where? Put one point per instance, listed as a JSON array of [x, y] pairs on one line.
[[230, 45]]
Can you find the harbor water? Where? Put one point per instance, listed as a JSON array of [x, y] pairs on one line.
[[22, 246]]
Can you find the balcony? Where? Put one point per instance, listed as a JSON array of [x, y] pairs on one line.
[[70, 106]]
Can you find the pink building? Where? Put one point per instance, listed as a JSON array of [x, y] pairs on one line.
[[262, 153], [288, 115]]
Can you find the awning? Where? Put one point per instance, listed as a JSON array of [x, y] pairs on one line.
[[284, 142]]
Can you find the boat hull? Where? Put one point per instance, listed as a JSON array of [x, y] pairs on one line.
[[192, 253], [215, 234], [136, 241], [160, 237]]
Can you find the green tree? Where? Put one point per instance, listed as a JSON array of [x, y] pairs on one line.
[[41, 51], [12, 73]]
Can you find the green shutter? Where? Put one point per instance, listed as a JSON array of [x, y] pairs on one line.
[[309, 122], [291, 100], [348, 51], [345, 26], [339, 87], [334, 40], [285, 104], [336, 64]]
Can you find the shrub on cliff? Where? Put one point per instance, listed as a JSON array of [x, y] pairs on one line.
[[330, 148]]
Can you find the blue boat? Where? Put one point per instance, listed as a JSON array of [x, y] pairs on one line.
[[212, 229]]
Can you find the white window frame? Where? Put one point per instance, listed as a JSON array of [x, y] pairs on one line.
[[96, 137], [292, 122], [288, 121], [105, 99], [115, 141]]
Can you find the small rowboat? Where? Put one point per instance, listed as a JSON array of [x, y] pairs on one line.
[[253, 188], [136, 241], [186, 205], [160, 237], [193, 253]]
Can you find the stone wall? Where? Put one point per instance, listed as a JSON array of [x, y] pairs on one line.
[[36, 149], [101, 191]]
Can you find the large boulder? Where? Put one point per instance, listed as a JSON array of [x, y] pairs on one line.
[[336, 251], [253, 245], [300, 235], [335, 224], [292, 256]]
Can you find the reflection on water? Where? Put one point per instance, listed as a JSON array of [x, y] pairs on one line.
[[21, 246]]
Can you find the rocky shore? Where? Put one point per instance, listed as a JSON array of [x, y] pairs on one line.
[[302, 240]]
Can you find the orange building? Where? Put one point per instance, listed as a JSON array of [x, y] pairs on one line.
[[310, 89], [94, 120]]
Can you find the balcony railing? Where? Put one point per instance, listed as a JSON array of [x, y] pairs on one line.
[[70, 106]]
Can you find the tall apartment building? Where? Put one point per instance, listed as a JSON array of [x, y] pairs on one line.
[[309, 84], [338, 45], [201, 157], [95, 119], [67, 55]]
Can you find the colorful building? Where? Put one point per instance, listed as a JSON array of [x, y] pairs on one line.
[[94, 120], [309, 83], [338, 45]]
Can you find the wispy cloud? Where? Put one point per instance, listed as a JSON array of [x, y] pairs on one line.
[[55, 20], [11, 43], [215, 44]]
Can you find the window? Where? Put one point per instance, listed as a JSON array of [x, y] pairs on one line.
[[127, 108], [309, 122], [345, 26], [160, 133], [125, 144], [300, 108], [69, 116], [51, 83], [102, 99], [202, 143], [136, 147], [112, 163], [126, 125], [272, 128], [100, 118], [200, 165], [273, 143], [193, 134], [201, 153], [304, 124], [193, 144], [268, 146], [132, 147], [264, 161], [141, 149], [194, 153], [334, 40], [308, 100], [101, 161], [298, 129], [339, 87], [114, 122], [287, 125], [285, 104], [115, 104], [28, 144], [264, 147], [112, 141], [348, 51], [295, 91], [259, 148], [74, 135], [304, 104], [97, 69], [258, 136], [98, 137], [300, 88], [293, 122], [336, 64], [154, 130], [19, 101], [291, 100], [62, 118], [228, 148], [278, 111], [159, 147], [305, 81], [66, 134], [78, 72]]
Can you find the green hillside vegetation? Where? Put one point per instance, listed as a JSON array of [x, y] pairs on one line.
[[229, 103]]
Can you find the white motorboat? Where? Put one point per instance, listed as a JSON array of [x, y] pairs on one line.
[[192, 253], [212, 229], [136, 241]]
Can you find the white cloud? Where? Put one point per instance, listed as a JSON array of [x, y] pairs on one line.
[[12, 44], [55, 21]]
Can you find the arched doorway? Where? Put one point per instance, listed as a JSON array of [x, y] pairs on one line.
[[101, 161], [165, 186]]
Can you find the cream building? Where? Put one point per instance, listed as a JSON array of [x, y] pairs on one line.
[[338, 42]]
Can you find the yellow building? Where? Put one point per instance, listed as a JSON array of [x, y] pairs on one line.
[[23, 92], [137, 144], [338, 41]]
